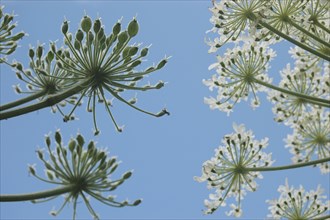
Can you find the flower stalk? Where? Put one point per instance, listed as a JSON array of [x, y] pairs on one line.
[[37, 195]]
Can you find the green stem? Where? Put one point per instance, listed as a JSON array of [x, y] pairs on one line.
[[309, 34], [323, 217], [317, 23], [23, 100], [37, 195], [49, 101], [288, 38], [311, 99], [287, 167]]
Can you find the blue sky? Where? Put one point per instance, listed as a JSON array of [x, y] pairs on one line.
[[166, 152]]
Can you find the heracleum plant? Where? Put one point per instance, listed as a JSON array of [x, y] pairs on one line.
[[301, 101], [88, 66]]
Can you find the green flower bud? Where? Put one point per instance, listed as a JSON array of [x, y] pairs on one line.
[[58, 137], [97, 25], [65, 27], [86, 23], [125, 51], [79, 35], [133, 28], [122, 37], [127, 175], [144, 52], [137, 202], [116, 28]]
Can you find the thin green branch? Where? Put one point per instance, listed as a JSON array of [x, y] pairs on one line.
[[287, 167], [37, 195], [23, 100], [49, 101], [307, 98], [288, 38]]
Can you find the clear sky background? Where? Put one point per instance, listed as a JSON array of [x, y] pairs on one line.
[[166, 152]]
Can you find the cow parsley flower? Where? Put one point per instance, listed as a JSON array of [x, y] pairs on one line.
[[231, 19], [294, 204], [305, 78], [311, 138], [87, 170], [239, 72], [230, 171]]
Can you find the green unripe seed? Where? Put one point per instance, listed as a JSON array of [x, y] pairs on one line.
[[72, 145], [133, 51], [135, 63], [39, 51], [76, 45], [80, 140], [50, 56], [133, 28], [58, 137], [122, 37], [144, 52], [97, 25], [161, 64], [127, 175], [79, 35], [86, 23], [137, 202], [116, 28], [65, 27]]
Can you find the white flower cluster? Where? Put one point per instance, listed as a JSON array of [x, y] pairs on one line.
[[237, 72], [306, 77], [298, 203], [230, 171], [311, 138]]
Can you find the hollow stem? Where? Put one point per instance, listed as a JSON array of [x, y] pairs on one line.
[[311, 99], [49, 101], [23, 100], [36, 195], [287, 167]]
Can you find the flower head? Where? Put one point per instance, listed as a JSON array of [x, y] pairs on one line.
[[8, 41], [306, 78], [237, 73], [231, 19], [294, 204], [230, 171], [87, 170], [311, 138], [103, 64]]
